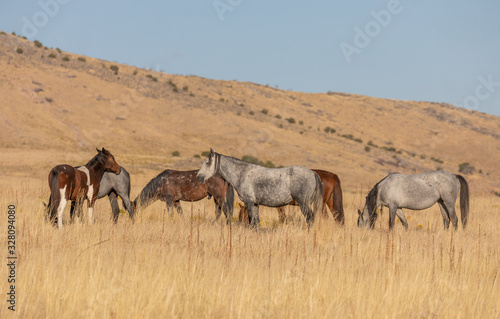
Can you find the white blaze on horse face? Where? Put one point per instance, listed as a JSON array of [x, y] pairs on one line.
[[62, 205]]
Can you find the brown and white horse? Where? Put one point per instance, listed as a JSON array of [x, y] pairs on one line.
[[68, 183]]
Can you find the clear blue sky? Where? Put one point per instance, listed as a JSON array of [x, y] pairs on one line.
[[422, 50]]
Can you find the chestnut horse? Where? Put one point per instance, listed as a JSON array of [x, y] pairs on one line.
[[332, 197], [173, 186], [68, 183]]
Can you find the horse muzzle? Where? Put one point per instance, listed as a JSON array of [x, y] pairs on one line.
[[200, 179]]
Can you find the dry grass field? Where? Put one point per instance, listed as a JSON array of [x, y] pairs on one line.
[[192, 267], [58, 107]]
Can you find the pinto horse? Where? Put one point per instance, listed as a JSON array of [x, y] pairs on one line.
[[173, 186], [68, 183], [111, 185], [332, 197]]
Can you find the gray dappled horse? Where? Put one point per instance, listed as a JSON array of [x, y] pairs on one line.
[[418, 191], [112, 185], [273, 187]]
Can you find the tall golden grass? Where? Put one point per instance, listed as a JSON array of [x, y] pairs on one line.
[[192, 267]]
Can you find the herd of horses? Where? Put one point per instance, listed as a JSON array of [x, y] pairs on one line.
[[219, 176]]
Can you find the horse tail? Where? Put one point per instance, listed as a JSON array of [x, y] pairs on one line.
[[338, 205], [55, 195], [229, 200], [317, 197], [464, 199]]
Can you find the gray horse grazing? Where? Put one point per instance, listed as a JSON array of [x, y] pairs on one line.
[[273, 187], [112, 185], [419, 191]]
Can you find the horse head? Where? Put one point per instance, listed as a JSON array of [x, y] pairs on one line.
[[109, 161], [209, 167]]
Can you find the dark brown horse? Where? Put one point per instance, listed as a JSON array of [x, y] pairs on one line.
[[332, 197], [174, 186], [68, 183]]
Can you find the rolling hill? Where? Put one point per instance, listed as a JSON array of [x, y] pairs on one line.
[[57, 107]]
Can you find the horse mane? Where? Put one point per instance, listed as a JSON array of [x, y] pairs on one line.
[[151, 190], [371, 202]]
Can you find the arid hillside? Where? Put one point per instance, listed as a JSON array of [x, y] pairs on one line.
[[57, 107]]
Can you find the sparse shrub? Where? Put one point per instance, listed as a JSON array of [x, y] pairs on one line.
[[58, 50], [38, 44], [82, 59], [281, 126], [185, 88], [264, 111], [330, 130], [437, 160], [19, 50], [114, 68], [175, 89], [154, 79], [13, 33], [291, 120], [255, 160], [422, 156], [205, 153], [242, 105], [191, 94], [134, 73], [367, 148], [52, 56], [176, 153], [222, 99], [2, 33], [497, 194], [389, 149], [278, 116], [301, 122], [66, 58], [251, 113], [250, 159], [370, 143], [197, 156], [466, 168]]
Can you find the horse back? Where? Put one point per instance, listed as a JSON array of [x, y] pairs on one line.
[[67, 177]]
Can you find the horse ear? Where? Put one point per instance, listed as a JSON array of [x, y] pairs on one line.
[[241, 205], [359, 212], [103, 150], [212, 151], [44, 205]]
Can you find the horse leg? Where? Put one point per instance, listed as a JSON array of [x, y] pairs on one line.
[[450, 207], [60, 209], [253, 214], [444, 213], [218, 210], [281, 213], [90, 205], [392, 215], [169, 201], [128, 206], [402, 218], [308, 214], [115, 209], [178, 207]]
